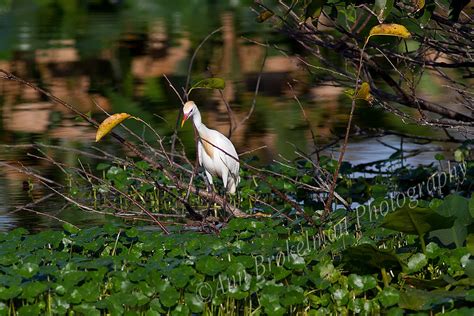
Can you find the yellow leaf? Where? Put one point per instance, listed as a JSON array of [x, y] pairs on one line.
[[263, 16], [109, 123], [389, 30], [364, 93], [419, 4]]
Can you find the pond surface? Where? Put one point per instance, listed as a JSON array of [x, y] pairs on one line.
[[114, 54]]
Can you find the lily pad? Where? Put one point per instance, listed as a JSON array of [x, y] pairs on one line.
[[416, 221]]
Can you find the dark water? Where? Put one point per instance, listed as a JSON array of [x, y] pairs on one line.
[[115, 53]]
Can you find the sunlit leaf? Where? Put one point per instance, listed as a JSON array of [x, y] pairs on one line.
[[264, 15], [389, 30], [364, 93], [416, 262], [419, 4], [109, 123], [210, 83]]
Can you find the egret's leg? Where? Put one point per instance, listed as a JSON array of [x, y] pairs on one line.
[[208, 181]]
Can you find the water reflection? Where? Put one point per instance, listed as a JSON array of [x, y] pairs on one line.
[[114, 57]]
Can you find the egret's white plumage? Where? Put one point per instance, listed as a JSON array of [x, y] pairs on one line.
[[216, 152]]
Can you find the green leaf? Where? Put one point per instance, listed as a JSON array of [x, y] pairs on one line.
[[87, 309], [417, 262], [416, 221], [155, 305], [366, 258], [454, 235], [418, 300], [270, 299], [29, 310], [102, 166], [180, 276], [59, 305], [28, 270], [361, 283], [294, 295], [314, 8], [3, 309], [210, 265], [181, 310], [209, 83], [71, 229], [142, 165], [194, 301], [459, 155], [424, 12], [457, 207], [471, 206], [9, 293], [470, 244], [433, 250], [470, 295], [389, 296], [382, 9], [169, 297], [33, 289]]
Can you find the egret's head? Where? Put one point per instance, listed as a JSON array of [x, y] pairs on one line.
[[188, 110]]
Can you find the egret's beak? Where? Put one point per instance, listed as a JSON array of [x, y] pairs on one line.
[[185, 117]]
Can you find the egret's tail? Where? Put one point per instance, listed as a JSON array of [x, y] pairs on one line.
[[232, 184]]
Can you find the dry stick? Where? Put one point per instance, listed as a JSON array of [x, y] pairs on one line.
[[188, 78], [89, 176], [22, 207], [257, 87], [28, 172], [318, 178], [191, 62], [46, 182], [277, 211], [180, 184], [73, 150], [50, 216], [306, 119], [230, 113], [285, 198], [327, 206], [252, 150]]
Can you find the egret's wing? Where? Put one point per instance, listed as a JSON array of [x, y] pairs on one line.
[[199, 152]]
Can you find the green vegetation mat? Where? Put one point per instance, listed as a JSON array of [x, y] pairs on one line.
[[251, 267]]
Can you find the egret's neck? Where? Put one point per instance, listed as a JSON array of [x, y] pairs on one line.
[[197, 120]]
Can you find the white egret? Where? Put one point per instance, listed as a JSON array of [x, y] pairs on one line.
[[216, 153]]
